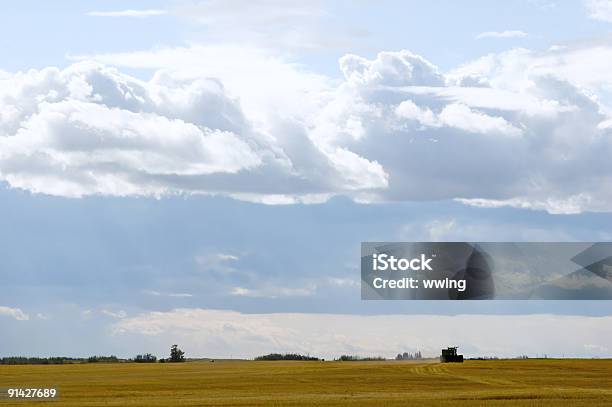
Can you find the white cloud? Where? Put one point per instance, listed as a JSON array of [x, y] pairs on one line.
[[217, 262], [14, 313], [401, 68], [118, 314], [538, 99], [91, 130], [570, 205], [127, 13], [272, 291], [160, 294], [585, 65], [464, 118], [600, 9], [227, 257], [409, 110], [459, 116], [221, 333], [518, 128], [502, 34], [267, 84]]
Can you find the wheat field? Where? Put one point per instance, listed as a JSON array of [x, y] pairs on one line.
[[534, 382]]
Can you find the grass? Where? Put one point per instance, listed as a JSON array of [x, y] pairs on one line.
[[546, 382]]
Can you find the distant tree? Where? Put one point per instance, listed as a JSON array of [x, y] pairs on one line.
[[102, 359], [409, 356], [287, 356], [354, 358], [146, 358], [22, 360], [176, 355]]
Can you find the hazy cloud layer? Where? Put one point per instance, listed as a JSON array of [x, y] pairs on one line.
[[222, 333], [288, 25], [519, 128]]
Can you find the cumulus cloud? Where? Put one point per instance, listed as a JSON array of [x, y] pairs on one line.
[[530, 122], [391, 68], [14, 313], [519, 128], [502, 34], [221, 333], [127, 13], [459, 116], [91, 130]]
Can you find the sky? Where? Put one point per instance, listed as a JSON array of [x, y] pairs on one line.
[[203, 172]]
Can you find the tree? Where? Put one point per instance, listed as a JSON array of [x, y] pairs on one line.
[[146, 358], [176, 355]]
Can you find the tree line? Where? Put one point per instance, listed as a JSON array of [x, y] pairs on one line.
[[354, 358], [286, 356], [55, 360], [176, 355]]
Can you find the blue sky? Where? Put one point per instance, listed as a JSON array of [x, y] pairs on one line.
[[203, 172]]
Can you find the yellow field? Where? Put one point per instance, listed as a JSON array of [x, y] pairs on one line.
[[245, 383]]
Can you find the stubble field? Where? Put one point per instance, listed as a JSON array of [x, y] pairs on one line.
[[247, 383]]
